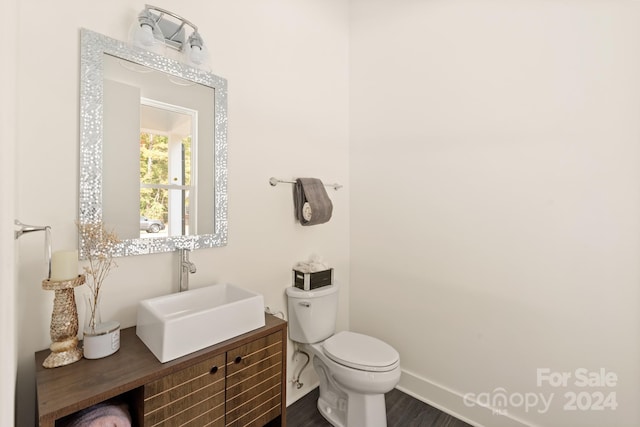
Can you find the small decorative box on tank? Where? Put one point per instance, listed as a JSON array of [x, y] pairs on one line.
[[309, 281]]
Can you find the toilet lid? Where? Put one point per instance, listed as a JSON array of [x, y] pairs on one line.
[[361, 352]]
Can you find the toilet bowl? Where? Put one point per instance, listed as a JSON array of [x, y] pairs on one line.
[[354, 370]]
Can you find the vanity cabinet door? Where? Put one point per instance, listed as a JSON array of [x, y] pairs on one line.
[[254, 382], [192, 397]]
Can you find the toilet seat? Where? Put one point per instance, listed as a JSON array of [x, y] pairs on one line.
[[361, 352]]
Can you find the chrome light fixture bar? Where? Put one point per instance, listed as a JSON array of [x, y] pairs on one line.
[[156, 26]]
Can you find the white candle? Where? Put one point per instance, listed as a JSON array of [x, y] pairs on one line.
[[64, 265]]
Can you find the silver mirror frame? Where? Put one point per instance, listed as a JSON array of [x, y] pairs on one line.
[[93, 47]]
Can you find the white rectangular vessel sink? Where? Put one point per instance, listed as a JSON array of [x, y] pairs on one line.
[[178, 324]]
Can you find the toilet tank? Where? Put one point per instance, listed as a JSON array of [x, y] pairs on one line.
[[312, 314]]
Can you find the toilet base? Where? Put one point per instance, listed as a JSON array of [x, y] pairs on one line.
[[332, 402], [360, 411], [366, 411], [370, 410], [333, 417], [342, 407]]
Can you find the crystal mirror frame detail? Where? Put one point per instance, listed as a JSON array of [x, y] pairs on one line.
[[93, 48]]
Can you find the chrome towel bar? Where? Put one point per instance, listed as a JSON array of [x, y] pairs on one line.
[[275, 181]]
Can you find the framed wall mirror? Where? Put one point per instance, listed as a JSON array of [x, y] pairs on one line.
[[153, 149]]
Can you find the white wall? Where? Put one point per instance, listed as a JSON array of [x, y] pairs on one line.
[[494, 161], [8, 134], [286, 65]]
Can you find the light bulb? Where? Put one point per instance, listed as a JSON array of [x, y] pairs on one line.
[[196, 55], [195, 51], [144, 36]]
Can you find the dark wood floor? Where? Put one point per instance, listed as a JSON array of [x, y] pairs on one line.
[[402, 411]]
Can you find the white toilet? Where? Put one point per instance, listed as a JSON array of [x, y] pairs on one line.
[[355, 370]]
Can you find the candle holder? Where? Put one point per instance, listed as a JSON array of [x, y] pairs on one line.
[[64, 322]]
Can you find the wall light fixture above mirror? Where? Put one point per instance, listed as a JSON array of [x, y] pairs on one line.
[[153, 148], [156, 28]]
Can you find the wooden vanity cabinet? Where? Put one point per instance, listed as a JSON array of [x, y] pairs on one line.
[[237, 383], [194, 396], [254, 385]]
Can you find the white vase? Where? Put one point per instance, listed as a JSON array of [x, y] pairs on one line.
[[101, 339]]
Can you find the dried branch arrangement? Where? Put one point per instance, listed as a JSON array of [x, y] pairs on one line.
[[99, 247]]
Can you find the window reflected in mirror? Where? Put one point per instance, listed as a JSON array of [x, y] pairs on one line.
[[167, 147], [173, 121]]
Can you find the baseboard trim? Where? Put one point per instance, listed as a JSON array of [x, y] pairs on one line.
[[453, 403]]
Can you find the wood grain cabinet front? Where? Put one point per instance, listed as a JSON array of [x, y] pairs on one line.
[[254, 382], [241, 388], [192, 397]]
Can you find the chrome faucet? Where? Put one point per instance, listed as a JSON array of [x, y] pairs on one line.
[[186, 268]]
